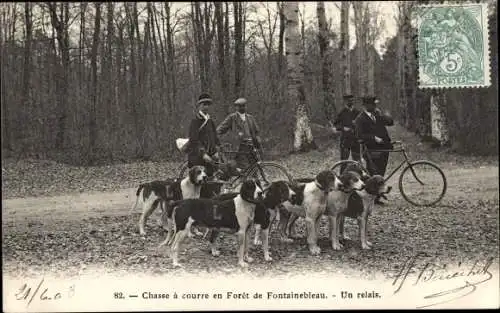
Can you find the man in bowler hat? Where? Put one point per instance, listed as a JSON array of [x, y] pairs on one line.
[[345, 124], [371, 128]]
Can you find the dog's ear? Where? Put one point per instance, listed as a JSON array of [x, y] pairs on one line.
[[323, 178], [373, 184], [284, 191], [326, 178], [299, 193], [193, 172], [277, 193], [247, 190]]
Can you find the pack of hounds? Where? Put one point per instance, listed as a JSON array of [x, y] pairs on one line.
[[196, 201]]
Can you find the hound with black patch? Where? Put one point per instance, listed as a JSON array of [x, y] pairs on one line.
[[233, 215], [290, 218], [314, 197], [361, 203], [265, 212], [364, 175], [157, 193], [338, 202]]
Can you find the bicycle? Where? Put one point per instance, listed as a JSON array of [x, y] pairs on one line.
[[261, 170], [414, 171]]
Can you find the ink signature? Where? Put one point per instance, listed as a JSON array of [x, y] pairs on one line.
[[25, 293], [474, 275]]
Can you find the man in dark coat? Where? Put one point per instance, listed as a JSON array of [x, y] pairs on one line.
[[204, 143], [345, 124], [371, 128], [247, 131]]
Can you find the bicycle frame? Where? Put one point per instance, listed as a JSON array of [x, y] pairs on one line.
[[247, 170], [364, 149]]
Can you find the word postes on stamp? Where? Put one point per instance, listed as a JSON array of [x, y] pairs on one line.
[[453, 46]]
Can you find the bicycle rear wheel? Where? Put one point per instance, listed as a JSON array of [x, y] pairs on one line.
[[422, 183], [183, 170], [269, 172]]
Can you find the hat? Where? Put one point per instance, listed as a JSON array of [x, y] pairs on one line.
[[369, 100], [203, 98], [240, 101], [348, 97]]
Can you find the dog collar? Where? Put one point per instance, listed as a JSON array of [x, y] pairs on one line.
[[252, 201]]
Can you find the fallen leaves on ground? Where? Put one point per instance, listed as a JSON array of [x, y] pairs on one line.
[[454, 232], [464, 226]]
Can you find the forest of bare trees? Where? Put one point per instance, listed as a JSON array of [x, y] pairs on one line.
[[94, 82]]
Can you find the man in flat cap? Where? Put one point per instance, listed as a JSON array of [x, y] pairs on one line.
[[345, 124], [247, 131], [371, 128]]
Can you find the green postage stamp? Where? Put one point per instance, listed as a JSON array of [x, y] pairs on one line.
[[453, 48]]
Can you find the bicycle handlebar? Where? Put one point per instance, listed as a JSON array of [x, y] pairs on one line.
[[397, 142]]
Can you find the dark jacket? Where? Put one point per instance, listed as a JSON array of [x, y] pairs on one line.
[[202, 140], [366, 129], [346, 118], [235, 123]]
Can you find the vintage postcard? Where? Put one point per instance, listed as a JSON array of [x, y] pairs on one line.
[[201, 156]]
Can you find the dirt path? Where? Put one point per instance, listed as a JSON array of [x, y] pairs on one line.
[[463, 184], [59, 216]]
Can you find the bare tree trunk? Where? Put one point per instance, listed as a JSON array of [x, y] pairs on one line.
[[268, 39], [281, 58], [81, 65], [369, 38], [161, 58], [227, 44], [409, 114], [326, 64], [238, 48], [6, 131], [401, 75], [303, 138], [439, 119], [93, 106], [144, 73], [203, 38], [110, 83], [133, 70], [360, 47], [345, 47], [171, 59], [27, 67], [60, 24], [370, 71], [219, 16]]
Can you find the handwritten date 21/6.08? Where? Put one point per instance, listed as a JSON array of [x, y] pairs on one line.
[[42, 293]]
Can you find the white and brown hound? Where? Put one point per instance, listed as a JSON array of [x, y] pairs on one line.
[[361, 203], [157, 193], [338, 203], [290, 218], [311, 203], [233, 215]]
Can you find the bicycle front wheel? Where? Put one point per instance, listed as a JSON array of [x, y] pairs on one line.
[[269, 172], [422, 183]]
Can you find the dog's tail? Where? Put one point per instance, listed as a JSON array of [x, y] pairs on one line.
[[137, 193]]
